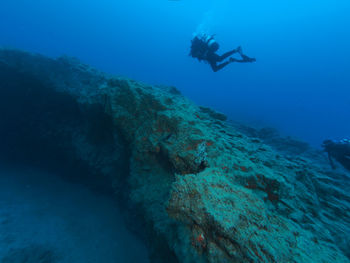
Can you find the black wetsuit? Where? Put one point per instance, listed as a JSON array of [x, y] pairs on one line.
[[213, 59], [205, 48], [340, 151]]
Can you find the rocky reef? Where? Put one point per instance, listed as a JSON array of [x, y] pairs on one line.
[[202, 189]]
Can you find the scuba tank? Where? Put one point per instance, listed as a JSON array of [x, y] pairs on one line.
[[210, 40]]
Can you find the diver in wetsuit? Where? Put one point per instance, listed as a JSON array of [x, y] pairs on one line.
[[339, 150], [205, 48]]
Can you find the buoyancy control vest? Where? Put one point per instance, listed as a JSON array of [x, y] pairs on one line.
[[200, 46]]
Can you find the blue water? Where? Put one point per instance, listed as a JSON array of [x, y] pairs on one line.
[[300, 83]]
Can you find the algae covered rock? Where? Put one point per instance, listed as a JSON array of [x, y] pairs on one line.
[[204, 190]]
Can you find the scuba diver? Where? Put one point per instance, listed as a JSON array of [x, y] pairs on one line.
[[205, 47], [339, 150]]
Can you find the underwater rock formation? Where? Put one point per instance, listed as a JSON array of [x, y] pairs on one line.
[[204, 190]]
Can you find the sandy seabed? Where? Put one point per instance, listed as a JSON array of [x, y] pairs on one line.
[[45, 219]]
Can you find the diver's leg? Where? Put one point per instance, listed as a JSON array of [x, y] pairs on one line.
[[227, 54], [215, 67], [245, 59]]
